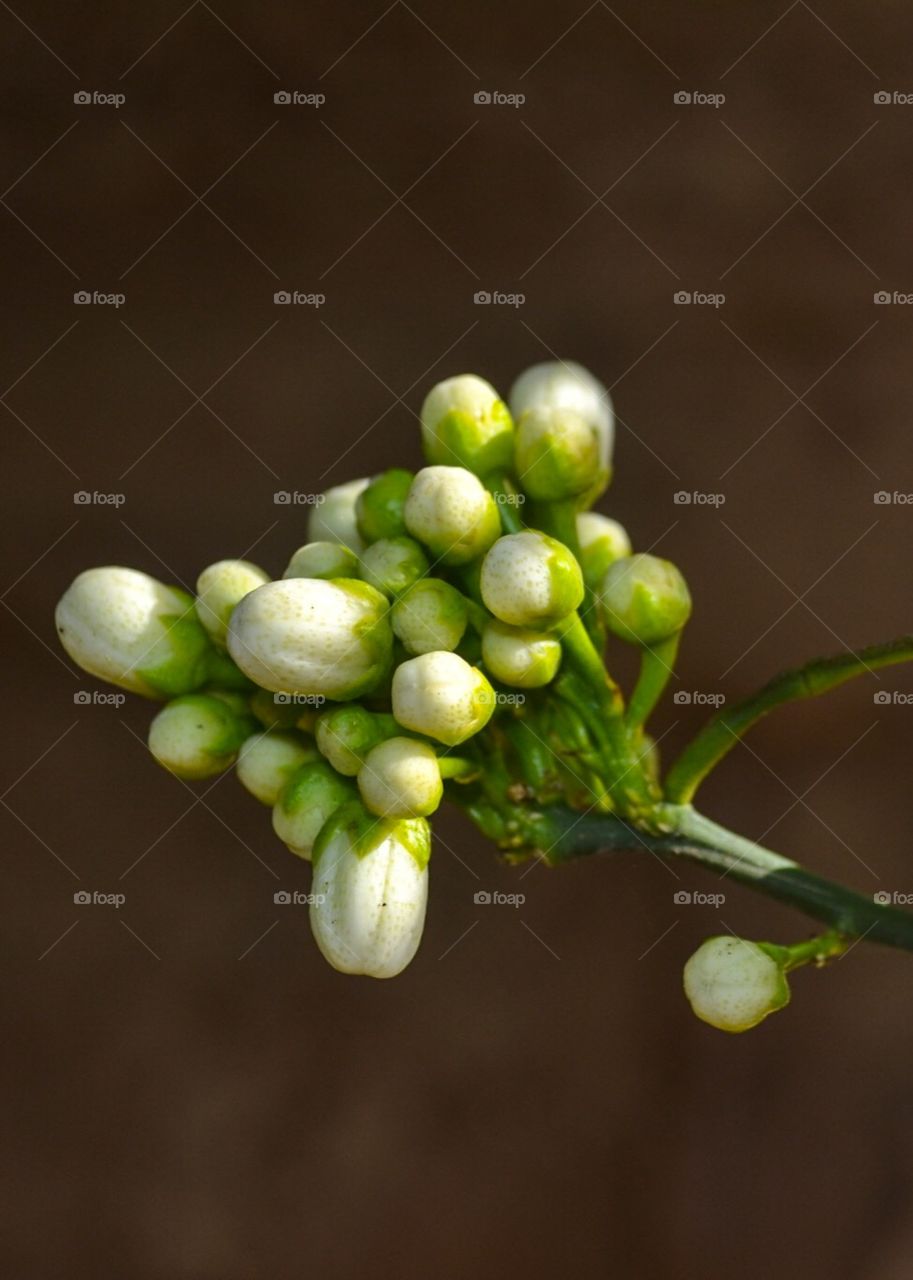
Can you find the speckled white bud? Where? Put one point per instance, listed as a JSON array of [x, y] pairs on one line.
[[431, 616], [401, 778], [557, 454], [734, 984], [197, 736], [531, 580], [334, 519], [370, 892], [304, 635], [452, 513], [465, 423], [442, 696], [602, 541], [562, 384], [219, 588], [521, 658], [266, 761]]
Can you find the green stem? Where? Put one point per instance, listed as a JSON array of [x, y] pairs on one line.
[[656, 664], [457, 767], [508, 497], [722, 732]]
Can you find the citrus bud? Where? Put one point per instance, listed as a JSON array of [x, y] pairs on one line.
[[370, 892], [465, 423], [334, 520], [303, 635], [323, 560], [531, 580], [127, 628], [401, 778], [379, 507], [197, 735], [309, 798], [391, 565], [442, 696], [219, 588], [432, 615], [452, 513], [602, 542], [557, 453], [266, 761], [523, 659], [346, 734], [644, 599], [562, 384], [734, 984]]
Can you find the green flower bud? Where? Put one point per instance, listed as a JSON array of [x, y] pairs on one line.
[[602, 542], [523, 659], [441, 696], [370, 892], [379, 508], [734, 984], [466, 424], [219, 588], [644, 599], [401, 778], [323, 560], [531, 580], [197, 736], [127, 628], [266, 761], [310, 797], [430, 616], [557, 454], [452, 513], [346, 734], [334, 519], [303, 635], [562, 384], [392, 565]]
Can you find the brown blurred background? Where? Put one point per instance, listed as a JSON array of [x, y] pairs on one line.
[[189, 1090]]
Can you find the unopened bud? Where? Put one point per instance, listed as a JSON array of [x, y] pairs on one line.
[[733, 984], [452, 513], [323, 560], [309, 798], [379, 508], [392, 565], [401, 778], [466, 424], [602, 542], [521, 658], [334, 519], [531, 580], [197, 736], [644, 599], [266, 761], [442, 696], [432, 615], [219, 588]]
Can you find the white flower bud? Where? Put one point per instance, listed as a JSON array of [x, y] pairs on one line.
[[452, 513], [523, 659], [125, 627], [465, 423], [602, 541], [219, 588], [334, 519], [401, 778], [392, 565], [266, 761], [323, 560], [562, 384], [531, 580], [309, 799], [441, 696], [370, 892], [557, 454], [197, 736], [303, 635], [734, 984], [431, 616]]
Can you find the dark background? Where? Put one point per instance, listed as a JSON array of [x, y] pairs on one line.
[[189, 1091]]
